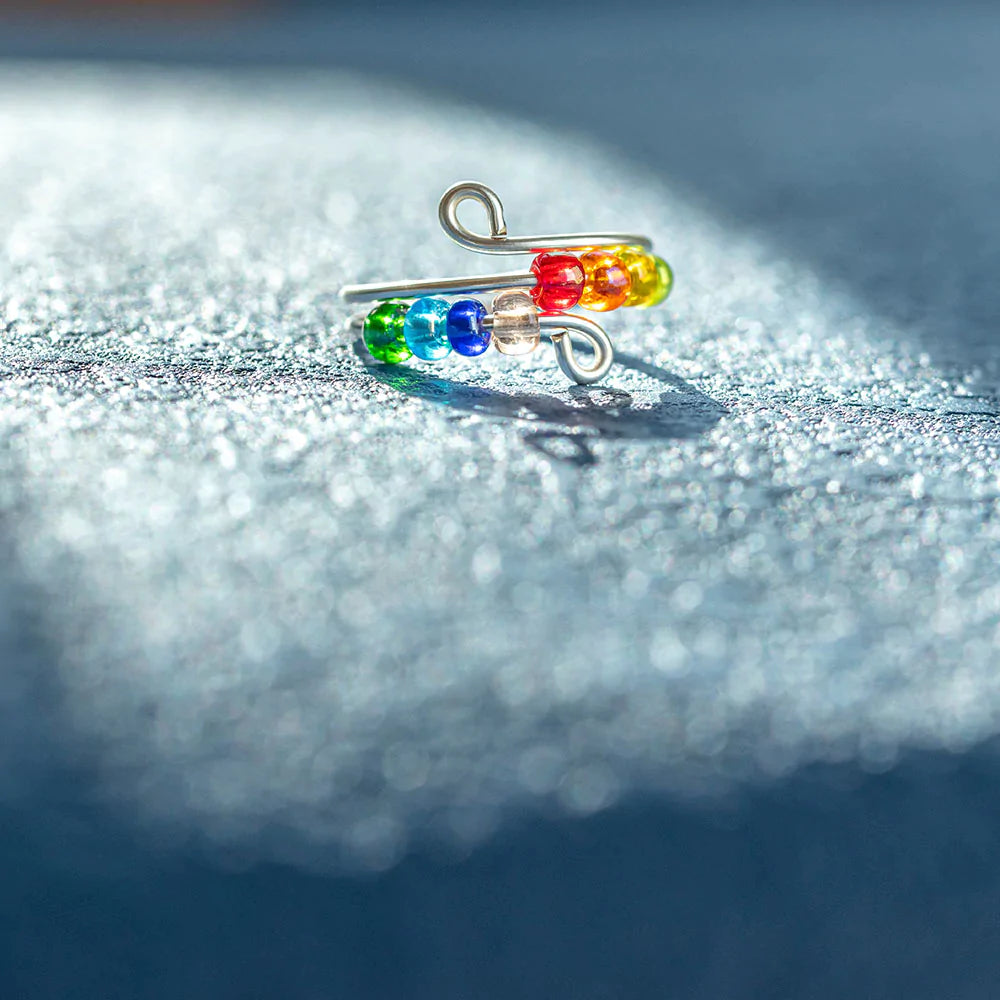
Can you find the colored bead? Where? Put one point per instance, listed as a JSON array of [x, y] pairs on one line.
[[383, 332], [642, 270], [664, 282], [607, 284], [560, 281], [425, 328], [651, 277], [466, 332], [515, 322]]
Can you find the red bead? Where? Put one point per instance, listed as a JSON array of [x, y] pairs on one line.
[[560, 280]]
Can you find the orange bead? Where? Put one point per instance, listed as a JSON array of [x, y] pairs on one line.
[[607, 282]]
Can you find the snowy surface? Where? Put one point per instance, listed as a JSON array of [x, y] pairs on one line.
[[274, 599], [277, 581]]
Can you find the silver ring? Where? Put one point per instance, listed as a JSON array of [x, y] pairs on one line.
[[612, 269]]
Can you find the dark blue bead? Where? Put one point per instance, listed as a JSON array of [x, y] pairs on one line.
[[465, 327]]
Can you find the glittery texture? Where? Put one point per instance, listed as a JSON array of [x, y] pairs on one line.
[[770, 537]]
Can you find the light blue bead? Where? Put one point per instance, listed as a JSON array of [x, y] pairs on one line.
[[426, 328]]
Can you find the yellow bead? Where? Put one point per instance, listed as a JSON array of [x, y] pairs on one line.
[[651, 276], [607, 282]]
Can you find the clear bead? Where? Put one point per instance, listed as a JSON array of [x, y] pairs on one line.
[[515, 322]]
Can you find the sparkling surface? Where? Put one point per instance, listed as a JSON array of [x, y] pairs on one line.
[[770, 537]]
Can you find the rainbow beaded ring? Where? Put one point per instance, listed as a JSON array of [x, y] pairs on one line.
[[608, 270]]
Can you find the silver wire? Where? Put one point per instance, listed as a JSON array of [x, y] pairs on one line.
[[565, 324], [437, 286], [499, 242]]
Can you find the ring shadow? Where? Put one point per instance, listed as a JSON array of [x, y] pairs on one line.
[[592, 411]]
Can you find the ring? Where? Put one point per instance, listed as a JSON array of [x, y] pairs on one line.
[[607, 271]]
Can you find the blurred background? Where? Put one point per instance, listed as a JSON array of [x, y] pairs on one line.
[[859, 137], [860, 141]]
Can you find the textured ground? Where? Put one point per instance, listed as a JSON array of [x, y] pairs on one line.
[[270, 599]]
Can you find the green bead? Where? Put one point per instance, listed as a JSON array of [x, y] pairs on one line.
[[384, 332], [664, 282]]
